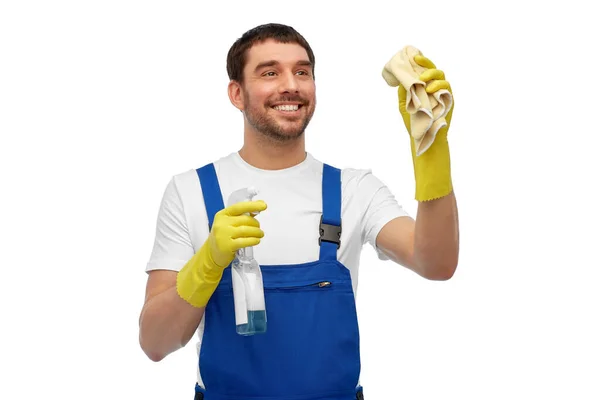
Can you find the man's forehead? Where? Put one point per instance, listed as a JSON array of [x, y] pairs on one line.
[[271, 50]]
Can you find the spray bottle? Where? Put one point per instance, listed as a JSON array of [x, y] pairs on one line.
[[246, 275]]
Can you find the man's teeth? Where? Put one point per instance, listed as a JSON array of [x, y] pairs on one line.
[[287, 107]]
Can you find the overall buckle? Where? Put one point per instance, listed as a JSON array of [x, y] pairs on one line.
[[329, 233]]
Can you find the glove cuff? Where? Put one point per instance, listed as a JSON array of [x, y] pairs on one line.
[[199, 278], [433, 178]]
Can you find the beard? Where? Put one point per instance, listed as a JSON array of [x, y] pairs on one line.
[[283, 129]]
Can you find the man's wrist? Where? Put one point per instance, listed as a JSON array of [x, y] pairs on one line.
[[433, 178], [199, 278]]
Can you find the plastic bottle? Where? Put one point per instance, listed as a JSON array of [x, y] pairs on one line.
[[248, 291]]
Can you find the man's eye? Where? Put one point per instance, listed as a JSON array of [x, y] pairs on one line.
[[271, 73]]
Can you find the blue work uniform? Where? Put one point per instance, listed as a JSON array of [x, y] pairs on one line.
[[311, 348]]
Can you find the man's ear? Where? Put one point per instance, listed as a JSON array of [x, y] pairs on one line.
[[236, 96]]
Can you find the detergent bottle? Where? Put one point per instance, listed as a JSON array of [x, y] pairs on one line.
[[246, 275]]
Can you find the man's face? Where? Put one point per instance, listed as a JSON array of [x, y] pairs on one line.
[[278, 90]]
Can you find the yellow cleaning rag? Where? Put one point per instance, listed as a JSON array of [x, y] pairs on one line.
[[427, 111]]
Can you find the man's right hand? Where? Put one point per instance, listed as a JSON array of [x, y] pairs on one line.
[[232, 230]]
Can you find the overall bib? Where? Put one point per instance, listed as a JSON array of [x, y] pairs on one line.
[[311, 348]]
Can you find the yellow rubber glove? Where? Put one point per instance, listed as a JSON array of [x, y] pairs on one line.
[[433, 177], [232, 230]]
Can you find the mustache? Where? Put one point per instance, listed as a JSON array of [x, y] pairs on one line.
[[295, 99]]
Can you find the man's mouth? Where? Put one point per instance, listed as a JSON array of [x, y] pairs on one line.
[[287, 107]]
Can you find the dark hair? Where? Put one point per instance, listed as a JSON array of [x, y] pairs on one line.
[[236, 57]]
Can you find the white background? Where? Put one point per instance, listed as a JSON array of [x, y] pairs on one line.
[[102, 102]]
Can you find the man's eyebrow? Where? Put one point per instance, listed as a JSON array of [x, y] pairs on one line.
[[264, 64], [272, 63], [305, 63]]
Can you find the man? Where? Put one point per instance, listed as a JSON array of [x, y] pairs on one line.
[[314, 220]]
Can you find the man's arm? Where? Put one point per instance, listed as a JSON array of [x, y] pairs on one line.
[[167, 322], [429, 246], [176, 295]]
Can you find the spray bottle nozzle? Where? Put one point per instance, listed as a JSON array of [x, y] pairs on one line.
[[244, 194]]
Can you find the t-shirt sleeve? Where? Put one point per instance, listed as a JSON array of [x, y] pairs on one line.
[[380, 207], [172, 244]]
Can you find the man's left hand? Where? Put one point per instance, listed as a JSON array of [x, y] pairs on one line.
[[432, 168]]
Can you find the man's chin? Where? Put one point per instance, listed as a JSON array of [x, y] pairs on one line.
[[285, 135], [290, 135]]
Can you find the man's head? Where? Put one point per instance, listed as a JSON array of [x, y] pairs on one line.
[[271, 72]]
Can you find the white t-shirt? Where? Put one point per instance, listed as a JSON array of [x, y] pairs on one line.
[[290, 222]]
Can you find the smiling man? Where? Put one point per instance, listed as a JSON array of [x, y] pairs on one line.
[[272, 83], [258, 91], [308, 228]]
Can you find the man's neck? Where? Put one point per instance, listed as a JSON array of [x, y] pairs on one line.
[[266, 154]]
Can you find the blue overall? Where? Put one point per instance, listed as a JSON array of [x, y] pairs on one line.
[[311, 348]]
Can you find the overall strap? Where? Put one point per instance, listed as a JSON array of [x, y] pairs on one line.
[[213, 199], [330, 227]]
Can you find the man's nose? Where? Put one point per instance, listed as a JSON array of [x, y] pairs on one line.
[[289, 83]]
